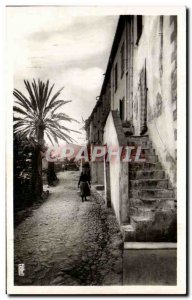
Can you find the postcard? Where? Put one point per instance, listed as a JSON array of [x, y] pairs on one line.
[[96, 150]]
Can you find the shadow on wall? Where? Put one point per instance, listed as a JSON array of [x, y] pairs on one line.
[[173, 166]]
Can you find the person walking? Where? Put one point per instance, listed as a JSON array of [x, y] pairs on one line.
[[84, 183]]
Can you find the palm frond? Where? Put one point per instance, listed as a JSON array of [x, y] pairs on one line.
[[59, 126], [35, 89], [55, 105], [53, 125], [20, 100], [63, 116], [49, 137], [55, 96], [64, 136], [20, 111], [17, 119], [69, 129], [23, 122], [48, 94], [59, 134], [30, 114], [61, 104], [32, 132], [24, 132], [38, 111], [41, 99], [23, 99], [54, 135], [18, 124], [32, 96]]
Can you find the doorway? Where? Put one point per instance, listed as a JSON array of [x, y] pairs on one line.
[[143, 101]]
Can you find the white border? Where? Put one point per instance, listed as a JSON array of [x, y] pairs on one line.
[[181, 187]]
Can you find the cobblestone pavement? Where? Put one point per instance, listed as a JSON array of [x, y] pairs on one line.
[[67, 242]]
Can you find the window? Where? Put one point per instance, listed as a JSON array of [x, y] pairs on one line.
[[121, 109], [139, 28], [122, 60], [116, 77]]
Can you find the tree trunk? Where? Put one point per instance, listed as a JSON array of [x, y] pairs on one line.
[[38, 167], [40, 134], [37, 172]]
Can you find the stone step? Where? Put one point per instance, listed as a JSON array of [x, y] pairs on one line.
[[140, 222], [144, 144], [143, 166], [157, 200], [154, 174], [167, 203], [142, 211], [128, 233], [146, 157], [138, 138], [99, 187], [148, 151], [149, 229], [149, 183], [151, 158], [151, 193], [150, 246], [143, 229], [144, 151]]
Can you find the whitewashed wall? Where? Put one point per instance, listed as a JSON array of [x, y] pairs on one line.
[[159, 113], [120, 93], [110, 139], [118, 170]]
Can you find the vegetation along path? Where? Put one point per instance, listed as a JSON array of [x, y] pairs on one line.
[[67, 242]]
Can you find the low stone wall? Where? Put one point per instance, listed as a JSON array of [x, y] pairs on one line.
[[98, 194], [150, 264], [112, 271], [137, 263], [118, 170]]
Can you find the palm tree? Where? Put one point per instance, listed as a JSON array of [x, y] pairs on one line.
[[38, 113], [35, 117]]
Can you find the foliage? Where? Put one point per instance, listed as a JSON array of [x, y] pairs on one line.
[[24, 185], [35, 117], [36, 114]]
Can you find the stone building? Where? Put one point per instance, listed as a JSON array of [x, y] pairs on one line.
[[137, 106]]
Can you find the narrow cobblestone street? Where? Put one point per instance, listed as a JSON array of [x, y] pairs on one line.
[[67, 242]]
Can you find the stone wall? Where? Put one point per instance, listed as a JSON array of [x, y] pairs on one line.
[[97, 173], [156, 266], [107, 184], [157, 53], [114, 136], [119, 93], [173, 41], [112, 270], [153, 54]]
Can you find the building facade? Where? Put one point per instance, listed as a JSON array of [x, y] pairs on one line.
[[137, 106]]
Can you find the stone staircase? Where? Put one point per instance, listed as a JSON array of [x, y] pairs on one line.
[[152, 200]]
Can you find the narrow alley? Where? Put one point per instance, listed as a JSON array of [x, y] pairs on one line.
[[67, 242]]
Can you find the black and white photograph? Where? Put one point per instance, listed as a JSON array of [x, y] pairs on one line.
[[96, 187]]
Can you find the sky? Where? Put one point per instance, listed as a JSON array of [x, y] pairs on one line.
[[70, 49]]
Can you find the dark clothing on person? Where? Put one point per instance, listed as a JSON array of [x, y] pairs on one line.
[[84, 183], [84, 177], [85, 189]]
